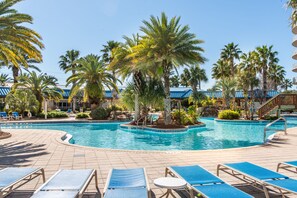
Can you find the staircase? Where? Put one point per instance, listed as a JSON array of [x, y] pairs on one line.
[[277, 101]]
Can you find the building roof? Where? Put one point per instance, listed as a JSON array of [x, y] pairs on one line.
[[175, 93]]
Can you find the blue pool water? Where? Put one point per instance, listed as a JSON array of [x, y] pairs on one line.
[[216, 135]]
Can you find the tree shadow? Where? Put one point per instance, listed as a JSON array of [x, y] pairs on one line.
[[16, 153]]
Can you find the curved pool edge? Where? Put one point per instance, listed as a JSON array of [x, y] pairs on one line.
[[59, 140], [145, 128]]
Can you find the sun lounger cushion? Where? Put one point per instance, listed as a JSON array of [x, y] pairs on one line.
[[124, 193], [127, 178], [195, 175], [11, 175], [55, 194], [292, 163], [288, 184], [68, 180], [255, 171], [221, 191]]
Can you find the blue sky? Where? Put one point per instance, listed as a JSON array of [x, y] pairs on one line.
[[87, 25]]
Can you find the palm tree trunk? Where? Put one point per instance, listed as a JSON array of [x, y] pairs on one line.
[[264, 83], [74, 98], [137, 108], [15, 73], [167, 101], [252, 102]]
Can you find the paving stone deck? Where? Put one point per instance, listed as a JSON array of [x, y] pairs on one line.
[[43, 148]]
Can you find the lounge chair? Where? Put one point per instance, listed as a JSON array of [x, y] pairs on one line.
[[4, 116], [289, 166], [13, 178], [202, 182], [130, 183], [259, 177], [16, 115], [67, 184]]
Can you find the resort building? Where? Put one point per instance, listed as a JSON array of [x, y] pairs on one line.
[[176, 94]]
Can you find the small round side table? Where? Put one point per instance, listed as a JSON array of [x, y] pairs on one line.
[[170, 183]]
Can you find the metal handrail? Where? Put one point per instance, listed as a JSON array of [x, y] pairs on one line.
[[269, 125]]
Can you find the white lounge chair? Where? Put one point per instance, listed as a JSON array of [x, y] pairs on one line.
[[13, 178], [67, 184]]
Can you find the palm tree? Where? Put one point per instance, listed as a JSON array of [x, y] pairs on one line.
[[184, 78], [92, 76], [125, 65], [266, 58], [220, 70], [195, 75], [174, 81], [229, 54], [229, 86], [68, 63], [17, 70], [276, 75], [293, 4], [287, 83], [43, 86], [4, 78], [167, 45], [17, 41], [108, 57]]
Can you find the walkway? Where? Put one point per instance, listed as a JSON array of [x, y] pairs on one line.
[[43, 148]]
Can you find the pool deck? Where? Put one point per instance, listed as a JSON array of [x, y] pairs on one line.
[[43, 148]]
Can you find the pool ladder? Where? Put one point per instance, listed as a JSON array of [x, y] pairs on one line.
[[270, 124]]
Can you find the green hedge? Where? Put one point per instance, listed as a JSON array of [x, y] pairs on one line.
[[100, 113], [54, 114], [228, 115], [82, 115]]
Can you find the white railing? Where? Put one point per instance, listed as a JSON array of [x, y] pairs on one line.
[[270, 124]]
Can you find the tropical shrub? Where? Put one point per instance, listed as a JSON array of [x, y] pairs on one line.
[[208, 102], [270, 117], [229, 115], [82, 115], [22, 100], [53, 114], [181, 117], [99, 113], [192, 113]]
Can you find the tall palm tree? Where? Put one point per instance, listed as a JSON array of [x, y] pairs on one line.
[[43, 86], [17, 41], [91, 76], [266, 57], [229, 86], [167, 45], [276, 74], [125, 64], [68, 63], [174, 81], [195, 75], [229, 54], [108, 57], [4, 78], [184, 78], [220, 70], [287, 83]]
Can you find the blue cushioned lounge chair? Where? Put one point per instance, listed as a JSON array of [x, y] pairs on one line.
[[4, 116], [16, 115], [67, 184], [203, 182], [260, 177], [289, 166], [122, 183], [13, 178]]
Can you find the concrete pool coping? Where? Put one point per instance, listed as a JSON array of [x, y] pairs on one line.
[[55, 156]]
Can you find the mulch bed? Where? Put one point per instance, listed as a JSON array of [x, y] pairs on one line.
[[4, 135]]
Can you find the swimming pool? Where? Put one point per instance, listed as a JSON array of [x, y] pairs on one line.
[[215, 135]]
